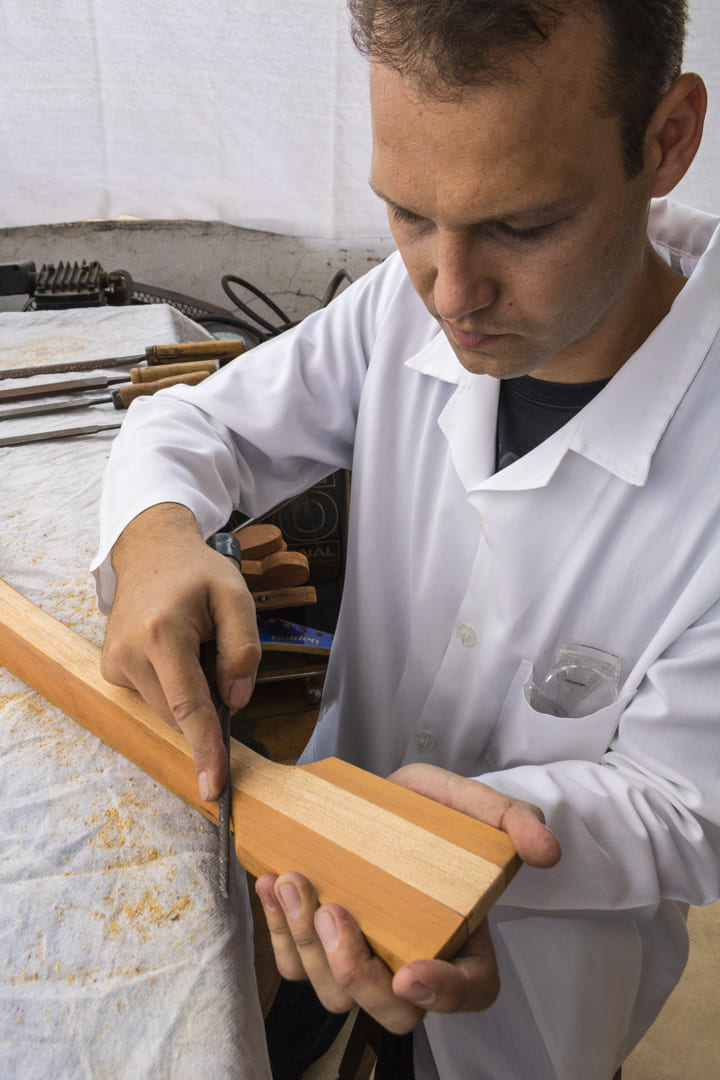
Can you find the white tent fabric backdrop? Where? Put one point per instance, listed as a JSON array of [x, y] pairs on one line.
[[253, 114]]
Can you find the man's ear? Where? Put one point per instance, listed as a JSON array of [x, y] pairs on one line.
[[675, 132]]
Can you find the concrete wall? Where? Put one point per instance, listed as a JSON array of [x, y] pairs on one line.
[[191, 257]]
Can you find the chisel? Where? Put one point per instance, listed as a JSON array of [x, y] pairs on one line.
[[121, 397], [219, 349], [228, 545], [100, 382]]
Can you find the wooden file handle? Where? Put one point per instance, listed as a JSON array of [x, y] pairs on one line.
[[168, 371], [218, 349], [417, 876], [124, 395]]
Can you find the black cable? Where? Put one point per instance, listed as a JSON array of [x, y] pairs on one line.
[[271, 328], [334, 286]]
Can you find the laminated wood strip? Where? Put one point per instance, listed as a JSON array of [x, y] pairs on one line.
[[417, 876], [443, 870], [459, 829], [400, 921]]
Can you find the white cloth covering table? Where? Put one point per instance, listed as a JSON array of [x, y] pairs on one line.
[[117, 956]]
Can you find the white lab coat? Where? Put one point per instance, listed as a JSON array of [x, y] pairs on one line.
[[461, 582]]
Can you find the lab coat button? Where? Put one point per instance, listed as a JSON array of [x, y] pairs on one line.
[[466, 635], [425, 741]]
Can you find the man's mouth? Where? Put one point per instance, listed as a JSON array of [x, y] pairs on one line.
[[471, 339]]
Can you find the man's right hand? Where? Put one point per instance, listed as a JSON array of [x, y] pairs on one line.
[[175, 593]]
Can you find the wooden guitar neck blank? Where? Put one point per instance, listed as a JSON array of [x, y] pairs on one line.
[[417, 876]]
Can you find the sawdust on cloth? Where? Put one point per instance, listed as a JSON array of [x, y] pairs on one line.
[[117, 957]]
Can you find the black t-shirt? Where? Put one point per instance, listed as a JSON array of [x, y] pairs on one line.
[[530, 410]]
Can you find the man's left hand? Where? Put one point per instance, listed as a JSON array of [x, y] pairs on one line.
[[324, 944]]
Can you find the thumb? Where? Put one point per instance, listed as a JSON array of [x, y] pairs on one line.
[[522, 821]]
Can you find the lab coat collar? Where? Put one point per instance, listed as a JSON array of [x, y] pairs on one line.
[[468, 419], [437, 359], [619, 429]]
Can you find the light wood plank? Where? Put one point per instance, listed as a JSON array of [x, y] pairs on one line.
[[417, 876]]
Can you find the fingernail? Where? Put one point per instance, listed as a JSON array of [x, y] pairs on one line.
[[291, 901], [240, 692], [267, 899], [204, 787], [326, 929], [419, 994]]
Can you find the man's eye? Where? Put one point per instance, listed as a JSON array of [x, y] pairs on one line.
[[405, 217], [507, 232]]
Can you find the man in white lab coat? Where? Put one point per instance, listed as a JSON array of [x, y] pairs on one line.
[[526, 397]]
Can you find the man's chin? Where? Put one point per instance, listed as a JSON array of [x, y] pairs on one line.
[[500, 358]]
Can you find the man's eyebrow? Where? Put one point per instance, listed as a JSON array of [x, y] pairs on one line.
[[559, 207], [387, 199], [404, 210], [552, 211]]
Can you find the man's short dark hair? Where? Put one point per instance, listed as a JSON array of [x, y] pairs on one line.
[[450, 46]]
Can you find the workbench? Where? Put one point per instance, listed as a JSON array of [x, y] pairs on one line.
[[118, 958]]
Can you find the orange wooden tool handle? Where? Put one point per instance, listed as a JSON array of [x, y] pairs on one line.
[[221, 349], [167, 371], [124, 395], [417, 876]]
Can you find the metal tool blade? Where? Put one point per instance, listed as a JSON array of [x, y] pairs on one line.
[[65, 386], [61, 433], [217, 349], [71, 365], [224, 812], [228, 545], [51, 407]]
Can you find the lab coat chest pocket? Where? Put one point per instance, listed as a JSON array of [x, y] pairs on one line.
[[524, 736]]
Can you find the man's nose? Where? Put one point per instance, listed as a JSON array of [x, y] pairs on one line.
[[464, 278]]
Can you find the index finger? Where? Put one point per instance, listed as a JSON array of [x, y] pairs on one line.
[[189, 701]]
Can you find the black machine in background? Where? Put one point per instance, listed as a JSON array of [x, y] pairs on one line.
[[74, 285]]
